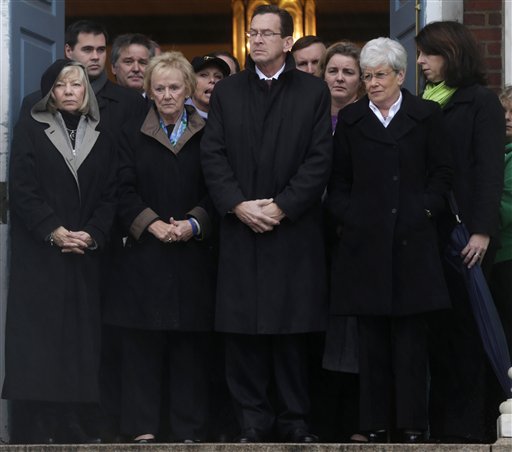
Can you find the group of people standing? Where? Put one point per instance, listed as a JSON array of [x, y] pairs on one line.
[[293, 205]]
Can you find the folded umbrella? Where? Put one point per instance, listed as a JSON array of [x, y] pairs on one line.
[[483, 307]]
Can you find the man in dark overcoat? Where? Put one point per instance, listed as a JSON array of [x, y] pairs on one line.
[[266, 156]]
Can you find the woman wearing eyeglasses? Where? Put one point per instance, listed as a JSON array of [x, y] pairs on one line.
[[454, 70], [391, 171]]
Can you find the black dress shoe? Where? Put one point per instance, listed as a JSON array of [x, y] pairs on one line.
[[413, 437], [377, 436], [250, 435], [300, 435], [143, 441]]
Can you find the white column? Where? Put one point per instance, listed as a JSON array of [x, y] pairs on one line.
[[5, 136], [435, 10], [507, 40]]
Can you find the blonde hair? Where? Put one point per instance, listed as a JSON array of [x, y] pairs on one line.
[[506, 94], [72, 69], [171, 60]]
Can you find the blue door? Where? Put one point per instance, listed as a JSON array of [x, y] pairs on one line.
[[404, 22], [37, 39]]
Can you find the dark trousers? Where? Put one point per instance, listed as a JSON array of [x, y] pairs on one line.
[[501, 286], [393, 373], [254, 363], [462, 404], [144, 355]]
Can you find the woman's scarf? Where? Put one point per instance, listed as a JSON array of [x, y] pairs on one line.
[[178, 130], [439, 93]]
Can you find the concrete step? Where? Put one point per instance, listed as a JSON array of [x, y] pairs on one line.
[[502, 445]]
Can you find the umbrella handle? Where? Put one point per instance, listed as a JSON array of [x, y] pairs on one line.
[[453, 206]]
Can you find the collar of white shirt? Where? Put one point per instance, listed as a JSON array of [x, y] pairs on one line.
[[393, 110], [262, 76]]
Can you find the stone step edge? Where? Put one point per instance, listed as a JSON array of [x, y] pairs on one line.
[[502, 445]]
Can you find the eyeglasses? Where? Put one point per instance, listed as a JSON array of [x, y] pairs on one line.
[[263, 33], [381, 75]]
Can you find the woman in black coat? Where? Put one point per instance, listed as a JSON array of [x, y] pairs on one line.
[[391, 171], [453, 68], [62, 200], [162, 289]]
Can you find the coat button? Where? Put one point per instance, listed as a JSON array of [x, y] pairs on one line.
[[395, 178], [404, 242], [393, 210]]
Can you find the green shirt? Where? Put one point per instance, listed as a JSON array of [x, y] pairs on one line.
[[505, 252]]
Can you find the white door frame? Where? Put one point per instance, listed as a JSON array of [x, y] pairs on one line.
[[507, 40], [5, 131]]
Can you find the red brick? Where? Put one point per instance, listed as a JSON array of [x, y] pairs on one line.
[[474, 19], [493, 48], [493, 63], [494, 81], [494, 19], [487, 34], [482, 5]]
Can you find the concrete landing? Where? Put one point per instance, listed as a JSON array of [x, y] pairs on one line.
[[503, 445]]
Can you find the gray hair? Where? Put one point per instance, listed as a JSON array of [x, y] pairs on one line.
[[126, 40], [383, 51]]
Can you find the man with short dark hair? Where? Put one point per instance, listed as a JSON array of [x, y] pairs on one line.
[[307, 52], [266, 156], [130, 57]]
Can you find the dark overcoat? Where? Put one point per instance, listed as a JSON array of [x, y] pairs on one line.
[[154, 285], [475, 121], [53, 312], [275, 142], [383, 181]]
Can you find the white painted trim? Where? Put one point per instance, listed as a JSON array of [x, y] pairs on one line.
[[435, 10], [507, 42], [5, 136]]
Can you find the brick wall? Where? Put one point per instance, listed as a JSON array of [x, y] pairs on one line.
[[485, 19]]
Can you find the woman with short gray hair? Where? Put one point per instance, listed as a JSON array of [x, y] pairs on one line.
[[391, 170], [384, 51]]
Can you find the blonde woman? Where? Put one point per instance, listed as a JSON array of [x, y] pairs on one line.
[[62, 202]]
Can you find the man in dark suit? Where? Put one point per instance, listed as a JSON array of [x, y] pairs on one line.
[[86, 42], [266, 156], [130, 57]]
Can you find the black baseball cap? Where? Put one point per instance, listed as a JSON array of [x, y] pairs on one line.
[[200, 62]]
